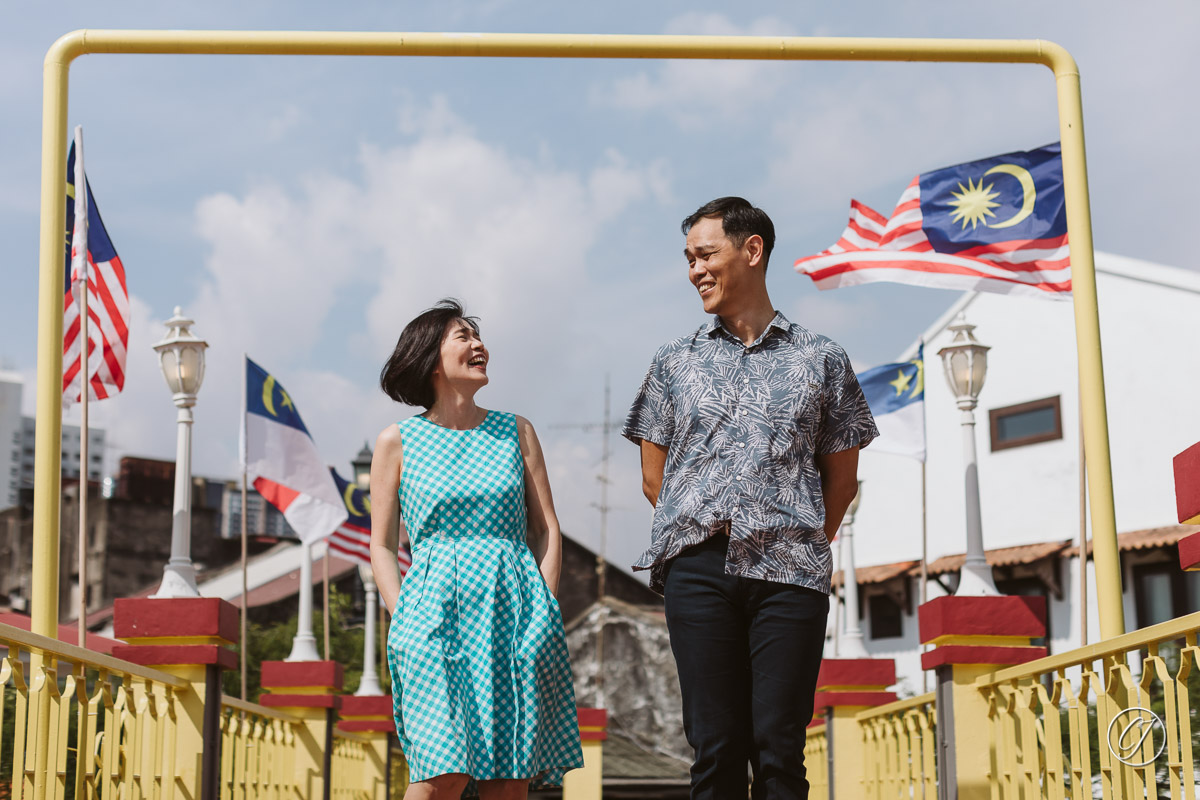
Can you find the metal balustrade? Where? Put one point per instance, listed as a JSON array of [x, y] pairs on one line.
[[258, 752], [1112, 720], [899, 749], [110, 724], [816, 761]]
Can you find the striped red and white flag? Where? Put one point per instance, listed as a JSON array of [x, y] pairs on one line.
[[352, 538], [108, 301], [995, 225]]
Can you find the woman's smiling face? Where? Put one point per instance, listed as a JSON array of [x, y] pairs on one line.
[[463, 357]]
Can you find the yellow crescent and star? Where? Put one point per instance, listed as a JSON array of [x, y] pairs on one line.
[[348, 496], [904, 381], [974, 202], [268, 397]]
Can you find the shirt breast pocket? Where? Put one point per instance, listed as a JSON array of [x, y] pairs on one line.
[[796, 414]]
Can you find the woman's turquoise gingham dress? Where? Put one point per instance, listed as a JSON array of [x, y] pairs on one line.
[[481, 679]]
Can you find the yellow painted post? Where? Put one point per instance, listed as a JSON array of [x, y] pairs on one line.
[[847, 686], [370, 716], [588, 783], [1092, 403], [187, 638], [308, 691]]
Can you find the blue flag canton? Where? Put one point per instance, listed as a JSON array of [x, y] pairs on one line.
[[99, 245], [266, 397], [891, 387], [1013, 197], [358, 502]]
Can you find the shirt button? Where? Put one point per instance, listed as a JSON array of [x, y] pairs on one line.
[[742, 445], [744, 413], [745, 380]]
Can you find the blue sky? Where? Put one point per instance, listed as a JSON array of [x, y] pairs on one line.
[[301, 210]]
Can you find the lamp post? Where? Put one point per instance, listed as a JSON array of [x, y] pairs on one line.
[[369, 684], [361, 465], [851, 645], [181, 357], [965, 360]]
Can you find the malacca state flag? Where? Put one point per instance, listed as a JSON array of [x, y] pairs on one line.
[[994, 225], [352, 538], [283, 462]]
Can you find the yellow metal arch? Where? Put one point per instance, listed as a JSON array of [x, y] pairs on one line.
[[56, 71]]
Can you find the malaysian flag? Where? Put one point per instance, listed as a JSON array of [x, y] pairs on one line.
[[995, 225], [353, 537], [108, 302]]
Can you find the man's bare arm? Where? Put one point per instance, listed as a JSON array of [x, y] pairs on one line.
[[839, 484], [654, 461]]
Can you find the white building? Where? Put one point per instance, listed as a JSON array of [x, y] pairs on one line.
[[1027, 437], [17, 445], [10, 437]]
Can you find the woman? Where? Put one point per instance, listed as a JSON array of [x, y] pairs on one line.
[[481, 680]]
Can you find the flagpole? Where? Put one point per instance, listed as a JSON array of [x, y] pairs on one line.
[[79, 266], [924, 593], [1083, 555], [245, 514], [924, 560]]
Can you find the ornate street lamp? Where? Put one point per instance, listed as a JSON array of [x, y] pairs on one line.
[[181, 357], [965, 360], [361, 465], [851, 645]]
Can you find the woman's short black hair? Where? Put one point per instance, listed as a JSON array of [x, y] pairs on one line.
[[407, 377]]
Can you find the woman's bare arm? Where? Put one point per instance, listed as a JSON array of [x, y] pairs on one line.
[[386, 464], [545, 538]]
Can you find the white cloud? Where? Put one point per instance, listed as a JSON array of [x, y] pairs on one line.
[[689, 91], [441, 213]]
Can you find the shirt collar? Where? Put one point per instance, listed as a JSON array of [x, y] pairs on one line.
[[778, 322]]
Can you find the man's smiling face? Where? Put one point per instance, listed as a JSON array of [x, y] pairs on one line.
[[720, 270]]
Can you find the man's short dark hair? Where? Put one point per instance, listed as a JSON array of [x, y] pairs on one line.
[[407, 377], [740, 221]]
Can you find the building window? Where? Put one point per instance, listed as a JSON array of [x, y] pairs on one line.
[[1162, 591], [1026, 423], [886, 617]]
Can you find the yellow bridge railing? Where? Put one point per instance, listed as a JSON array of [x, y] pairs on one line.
[[258, 751], [816, 761], [112, 724], [899, 749], [353, 775], [1113, 720]]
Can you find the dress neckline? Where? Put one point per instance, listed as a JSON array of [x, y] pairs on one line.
[[486, 417]]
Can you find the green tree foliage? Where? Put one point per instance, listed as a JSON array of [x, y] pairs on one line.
[[274, 642]]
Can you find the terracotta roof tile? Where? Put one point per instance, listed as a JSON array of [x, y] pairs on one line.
[[1145, 539]]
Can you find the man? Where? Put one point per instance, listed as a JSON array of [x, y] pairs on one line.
[[749, 430]]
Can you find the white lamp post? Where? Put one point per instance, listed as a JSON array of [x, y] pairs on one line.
[[851, 645], [369, 684], [304, 644], [965, 360], [181, 357]]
